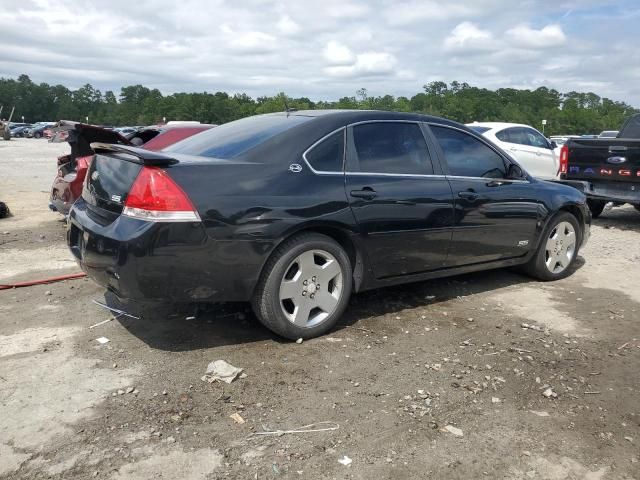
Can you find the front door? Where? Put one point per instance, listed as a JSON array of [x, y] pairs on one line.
[[402, 202], [495, 217]]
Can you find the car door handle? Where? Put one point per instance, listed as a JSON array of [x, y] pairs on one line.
[[467, 195], [366, 193]]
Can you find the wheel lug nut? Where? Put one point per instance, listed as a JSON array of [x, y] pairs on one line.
[[305, 282], [313, 278], [312, 295], [304, 293]]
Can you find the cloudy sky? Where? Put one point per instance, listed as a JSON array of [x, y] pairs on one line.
[[325, 49]]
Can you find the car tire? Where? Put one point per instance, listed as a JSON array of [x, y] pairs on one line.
[[596, 207], [304, 288], [37, 135], [557, 250], [637, 207]]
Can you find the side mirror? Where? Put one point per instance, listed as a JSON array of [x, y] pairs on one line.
[[553, 145], [515, 172]]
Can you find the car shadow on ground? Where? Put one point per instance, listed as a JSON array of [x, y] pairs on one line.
[[191, 327], [625, 218]]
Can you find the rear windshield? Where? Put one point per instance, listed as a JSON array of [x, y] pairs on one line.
[[479, 129], [234, 138]]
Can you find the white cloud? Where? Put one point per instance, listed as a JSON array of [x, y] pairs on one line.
[[525, 36], [408, 12], [338, 54], [366, 64], [250, 42], [287, 26], [467, 37]]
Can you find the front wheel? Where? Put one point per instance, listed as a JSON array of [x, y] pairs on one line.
[[557, 250], [305, 287]]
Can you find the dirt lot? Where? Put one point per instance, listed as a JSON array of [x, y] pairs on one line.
[[405, 364]]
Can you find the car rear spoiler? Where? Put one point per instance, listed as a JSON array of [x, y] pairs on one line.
[[76, 132], [140, 155]]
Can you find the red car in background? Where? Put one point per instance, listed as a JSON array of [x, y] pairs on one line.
[[72, 168]]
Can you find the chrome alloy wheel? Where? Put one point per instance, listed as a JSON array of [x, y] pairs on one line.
[[560, 248], [311, 288]]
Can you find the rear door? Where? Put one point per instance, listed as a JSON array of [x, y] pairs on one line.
[[401, 200], [495, 217]]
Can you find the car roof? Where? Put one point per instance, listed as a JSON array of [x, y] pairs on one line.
[[497, 125]]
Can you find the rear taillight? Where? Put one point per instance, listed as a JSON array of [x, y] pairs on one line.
[[564, 159], [154, 196]]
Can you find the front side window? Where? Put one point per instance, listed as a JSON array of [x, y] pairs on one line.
[[466, 156], [391, 147], [328, 155]]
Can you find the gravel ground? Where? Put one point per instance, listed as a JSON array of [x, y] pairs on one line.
[[441, 379]]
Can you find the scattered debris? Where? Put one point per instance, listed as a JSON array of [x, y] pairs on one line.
[[540, 413], [305, 429], [623, 346], [299, 340], [629, 439], [532, 327], [592, 393], [115, 310], [346, 461], [454, 431], [102, 340], [220, 370], [101, 323], [237, 418], [549, 393], [495, 400]]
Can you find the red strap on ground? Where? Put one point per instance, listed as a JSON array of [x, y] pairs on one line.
[[43, 281]]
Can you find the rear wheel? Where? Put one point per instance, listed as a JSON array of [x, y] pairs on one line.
[[37, 135], [305, 287], [596, 207], [558, 249]]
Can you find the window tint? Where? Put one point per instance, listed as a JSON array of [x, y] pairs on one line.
[[391, 147], [467, 156], [328, 155], [233, 138]]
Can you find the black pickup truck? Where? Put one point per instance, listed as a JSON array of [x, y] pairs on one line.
[[605, 169]]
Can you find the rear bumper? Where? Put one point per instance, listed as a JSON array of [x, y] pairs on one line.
[[625, 192], [177, 262]]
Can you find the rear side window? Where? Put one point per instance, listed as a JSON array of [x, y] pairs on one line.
[[391, 147], [466, 156], [234, 138], [328, 155]]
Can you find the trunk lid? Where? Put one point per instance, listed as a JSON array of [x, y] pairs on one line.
[[111, 176]]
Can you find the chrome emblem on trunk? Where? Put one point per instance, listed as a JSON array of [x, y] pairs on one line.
[[295, 168]]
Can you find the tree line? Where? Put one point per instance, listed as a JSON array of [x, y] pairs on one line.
[[566, 113]]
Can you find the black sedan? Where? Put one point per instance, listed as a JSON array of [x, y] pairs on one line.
[[295, 211]]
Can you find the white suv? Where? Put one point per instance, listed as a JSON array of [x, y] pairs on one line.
[[525, 144]]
